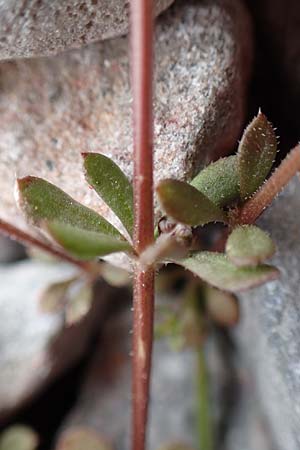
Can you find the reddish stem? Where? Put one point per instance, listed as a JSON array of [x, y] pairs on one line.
[[143, 292], [254, 207], [28, 240]]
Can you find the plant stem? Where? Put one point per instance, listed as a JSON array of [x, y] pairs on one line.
[[204, 419], [254, 207], [143, 292], [21, 236]]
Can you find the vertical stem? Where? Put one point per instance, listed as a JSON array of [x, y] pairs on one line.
[[204, 419], [143, 292]]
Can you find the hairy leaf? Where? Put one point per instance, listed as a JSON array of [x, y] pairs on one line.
[[219, 181], [186, 204], [112, 185], [81, 439], [217, 270], [42, 201], [248, 245], [256, 154], [84, 244], [222, 306], [18, 437]]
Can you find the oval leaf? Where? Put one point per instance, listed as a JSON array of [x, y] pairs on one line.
[[248, 245], [84, 244], [112, 185], [222, 306], [219, 181], [81, 439], [256, 154], [217, 270], [80, 298], [18, 437], [186, 204], [42, 201]]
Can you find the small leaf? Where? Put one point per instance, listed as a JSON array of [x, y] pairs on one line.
[[256, 154], [219, 181], [186, 204], [115, 276], [248, 245], [81, 439], [222, 306], [18, 437], [42, 201], [80, 298], [217, 270], [53, 298], [85, 244], [112, 185]]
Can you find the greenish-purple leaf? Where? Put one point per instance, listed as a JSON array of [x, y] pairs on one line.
[[112, 185], [85, 244], [249, 245], [42, 201], [219, 181], [217, 270], [256, 154], [186, 204]]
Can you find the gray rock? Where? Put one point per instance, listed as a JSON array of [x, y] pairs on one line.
[[36, 347], [53, 109], [270, 332], [35, 28]]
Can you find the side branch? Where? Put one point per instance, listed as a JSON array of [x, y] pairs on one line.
[[21, 236], [254, 207]]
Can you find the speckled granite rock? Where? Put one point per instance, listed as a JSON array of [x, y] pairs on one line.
[[36, 347], [53, 109], [42, 27], [270, 329]]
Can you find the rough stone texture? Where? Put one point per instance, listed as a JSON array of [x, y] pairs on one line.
[[36, 347], [42, 27], [53, 109], [270, 330]]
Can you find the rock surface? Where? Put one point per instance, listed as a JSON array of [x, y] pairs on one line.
[[35, 28], [36, 347], [270, 330], [53, 109]]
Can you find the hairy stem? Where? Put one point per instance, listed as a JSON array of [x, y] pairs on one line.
[[15, 233], [254, 207], [204, 419], [143, 292]]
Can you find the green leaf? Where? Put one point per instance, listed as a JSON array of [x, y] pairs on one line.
[[217, 270], [256, 154], [80, 298], [222, 306], [18, 437], [248, 245], [81, 439], [186, 204], [42, 201], [54, 297], [219, 181], [112, 185], [84, 244]]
